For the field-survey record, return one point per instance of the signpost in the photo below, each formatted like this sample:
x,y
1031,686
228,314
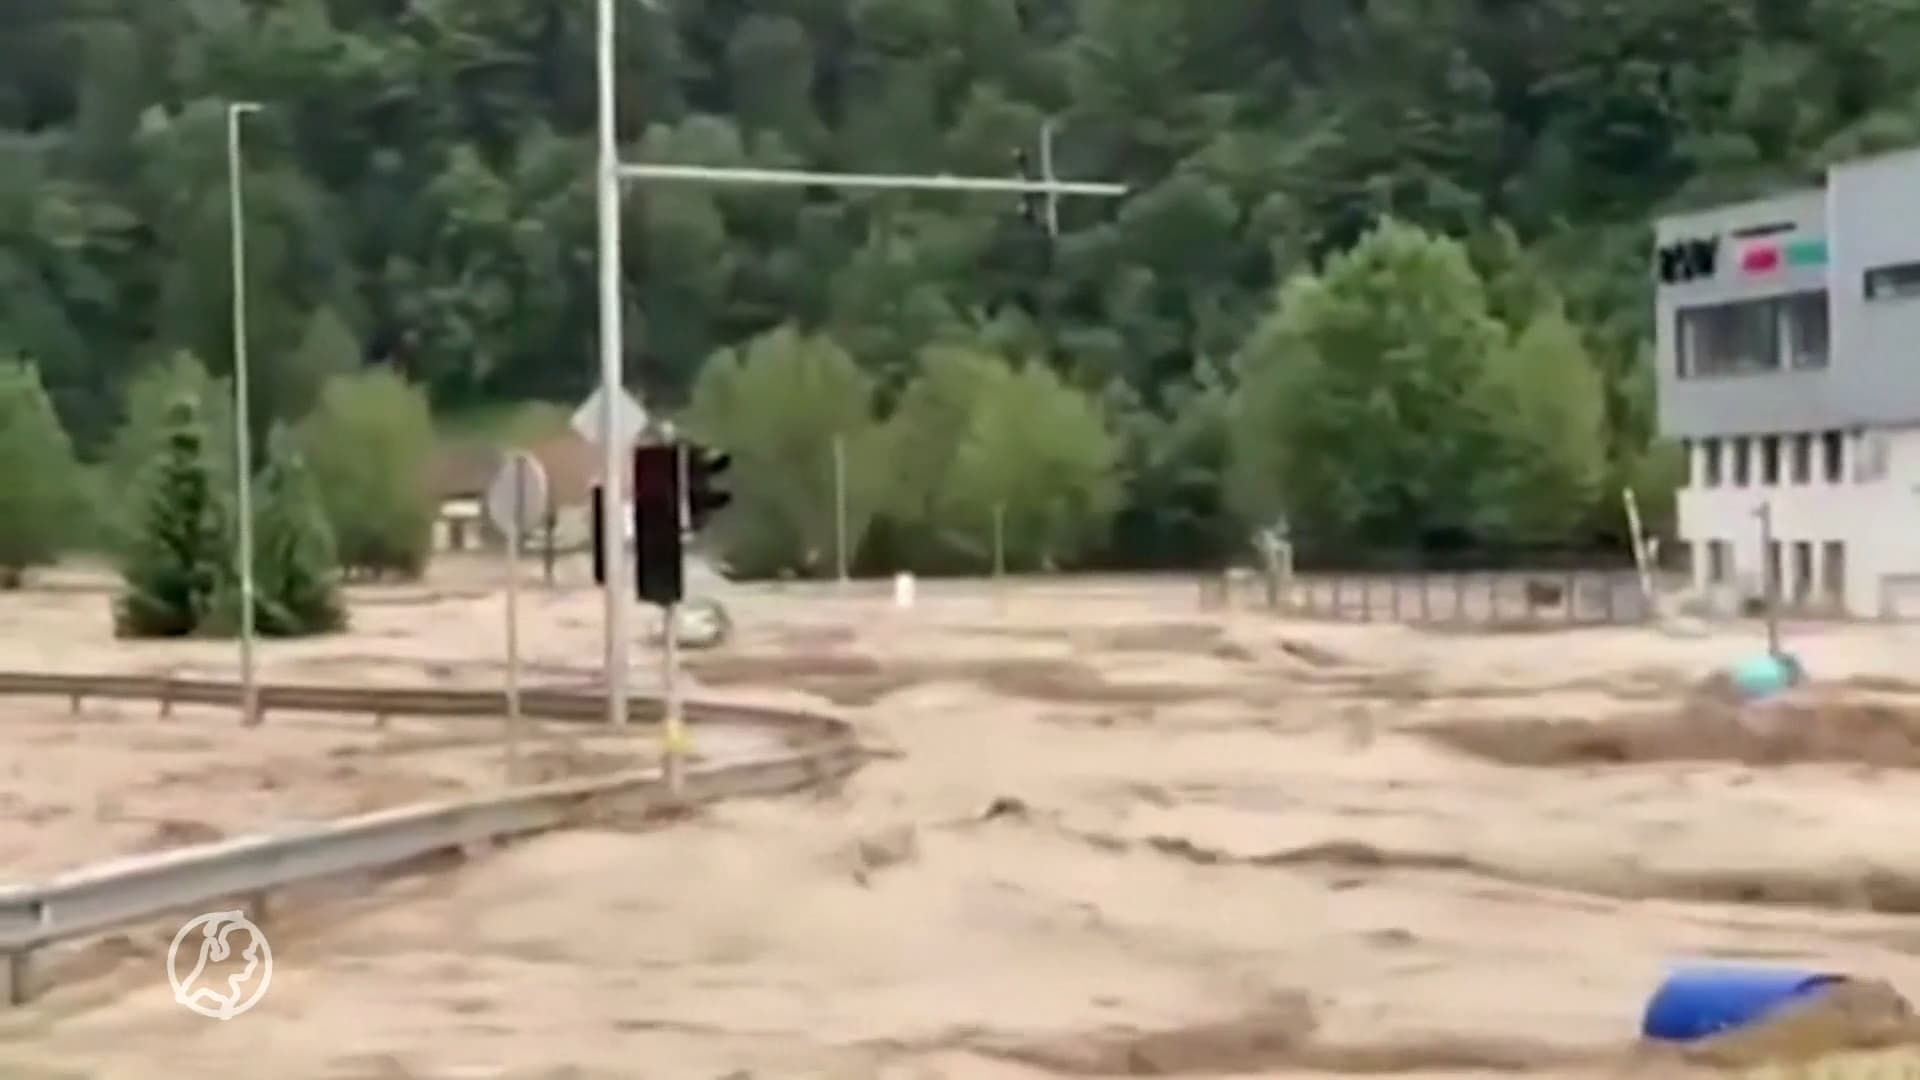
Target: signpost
x,y
516,502
590,419
840,555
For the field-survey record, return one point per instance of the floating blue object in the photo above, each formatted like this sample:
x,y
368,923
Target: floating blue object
x,y
1700,1001
1764,676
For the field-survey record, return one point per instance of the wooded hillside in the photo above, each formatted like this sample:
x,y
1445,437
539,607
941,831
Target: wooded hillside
x,y
419,194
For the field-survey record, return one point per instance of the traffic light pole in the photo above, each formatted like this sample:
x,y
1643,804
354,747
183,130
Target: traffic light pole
x,y
703,174
1046,173
609,174
840,557
673,727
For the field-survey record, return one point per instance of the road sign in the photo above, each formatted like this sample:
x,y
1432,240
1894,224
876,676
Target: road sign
x,y
517,496
517,503
630,419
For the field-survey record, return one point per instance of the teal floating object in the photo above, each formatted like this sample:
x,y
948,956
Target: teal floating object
x,y
1763,676
1698,1002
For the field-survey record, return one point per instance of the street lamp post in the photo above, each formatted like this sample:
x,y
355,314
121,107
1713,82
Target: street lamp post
x,y
242,419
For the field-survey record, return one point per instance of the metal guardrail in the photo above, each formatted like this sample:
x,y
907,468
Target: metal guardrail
x,y
123,891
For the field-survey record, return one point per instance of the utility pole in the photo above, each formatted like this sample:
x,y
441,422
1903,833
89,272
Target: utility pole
x,y
673,730
1765,513
840,555
242,415
614,446
1046,174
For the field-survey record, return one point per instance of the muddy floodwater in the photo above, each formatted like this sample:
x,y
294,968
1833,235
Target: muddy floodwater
x,y
1107,834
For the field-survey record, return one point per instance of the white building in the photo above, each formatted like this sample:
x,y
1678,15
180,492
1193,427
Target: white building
x,y
1789,367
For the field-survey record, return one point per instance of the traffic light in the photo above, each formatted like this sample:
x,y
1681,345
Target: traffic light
x,y
704,468
1029,201
656,523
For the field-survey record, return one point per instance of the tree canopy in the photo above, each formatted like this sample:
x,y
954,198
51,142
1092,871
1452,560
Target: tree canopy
x,y
38,497
418,196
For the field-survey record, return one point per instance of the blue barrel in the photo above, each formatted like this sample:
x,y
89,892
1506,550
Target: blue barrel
x,y
1697,1002
1763,676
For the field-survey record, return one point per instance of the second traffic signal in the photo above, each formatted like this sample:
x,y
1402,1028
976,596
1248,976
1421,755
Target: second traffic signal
x,y
704,496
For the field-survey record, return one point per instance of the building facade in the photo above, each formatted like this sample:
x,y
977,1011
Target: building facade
x,y
1788,334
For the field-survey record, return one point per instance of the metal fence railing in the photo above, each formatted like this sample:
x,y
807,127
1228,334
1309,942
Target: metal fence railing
x,y
812,750
1465,598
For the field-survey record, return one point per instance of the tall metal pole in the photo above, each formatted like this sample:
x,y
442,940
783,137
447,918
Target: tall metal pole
x,y
1000,555
1046,174
242,416
999,540
840,507
673,730
1765,513
613,465
513,622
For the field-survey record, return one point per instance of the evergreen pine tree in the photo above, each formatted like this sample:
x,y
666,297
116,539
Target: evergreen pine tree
x,y
296,565
180,563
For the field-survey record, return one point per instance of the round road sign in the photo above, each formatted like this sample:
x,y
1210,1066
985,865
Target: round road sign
x,y
517,495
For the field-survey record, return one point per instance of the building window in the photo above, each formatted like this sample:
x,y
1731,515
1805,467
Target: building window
x,y
1803,330
1801,587
1893,282
1717,562
1834,451
1770,461
1751,336
1833,573
1727,339
1742,461
1803,459
1710,454
1869,456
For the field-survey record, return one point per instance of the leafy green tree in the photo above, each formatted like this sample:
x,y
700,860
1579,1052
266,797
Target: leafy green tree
x,y
424,176
1175,462
1656,474
148,426
1037,454
369,445
178,568
778,406
925,432
296,567
327,349
1545,405
38,502
771,63
1359,415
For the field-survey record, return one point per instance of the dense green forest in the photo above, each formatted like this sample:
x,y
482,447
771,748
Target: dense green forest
x,y
419,196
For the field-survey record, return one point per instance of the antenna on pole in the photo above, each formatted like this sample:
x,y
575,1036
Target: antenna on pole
x,y
1047,176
